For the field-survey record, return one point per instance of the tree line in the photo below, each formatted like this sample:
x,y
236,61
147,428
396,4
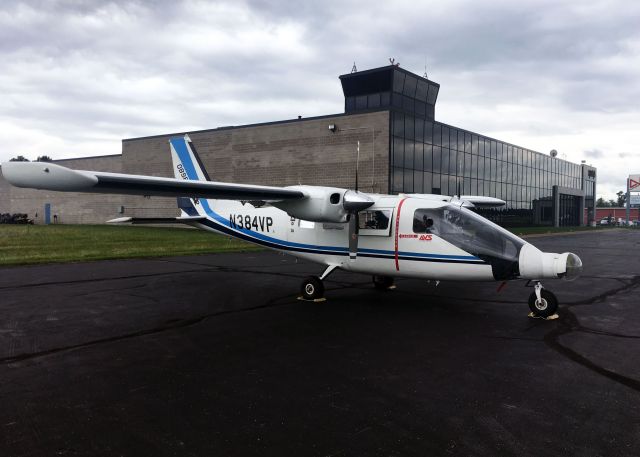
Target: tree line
x,y
24,159
621,201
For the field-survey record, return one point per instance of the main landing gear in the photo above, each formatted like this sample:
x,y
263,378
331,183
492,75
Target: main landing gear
x,y
312,288
383,282
542,303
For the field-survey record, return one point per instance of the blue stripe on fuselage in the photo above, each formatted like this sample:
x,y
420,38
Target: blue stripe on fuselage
x,y
180,146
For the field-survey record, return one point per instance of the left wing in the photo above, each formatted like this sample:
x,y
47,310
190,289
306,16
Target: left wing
x,y
49,176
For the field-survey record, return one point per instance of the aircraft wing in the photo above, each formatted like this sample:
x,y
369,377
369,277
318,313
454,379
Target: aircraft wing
x,y
469,201
480,201
49,176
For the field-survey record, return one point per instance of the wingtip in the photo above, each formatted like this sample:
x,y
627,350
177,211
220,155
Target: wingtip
x,y
46,175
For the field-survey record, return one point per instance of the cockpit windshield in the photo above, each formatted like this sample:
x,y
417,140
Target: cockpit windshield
x,y
474,234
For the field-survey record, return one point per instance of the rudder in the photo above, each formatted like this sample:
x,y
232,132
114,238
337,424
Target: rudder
x,y
186,162
187,165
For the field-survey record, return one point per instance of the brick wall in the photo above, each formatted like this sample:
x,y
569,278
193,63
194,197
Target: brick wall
x,y
280,154
286,153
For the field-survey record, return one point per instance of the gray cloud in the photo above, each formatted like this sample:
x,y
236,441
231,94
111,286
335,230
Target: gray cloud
x,y
79,75
594,154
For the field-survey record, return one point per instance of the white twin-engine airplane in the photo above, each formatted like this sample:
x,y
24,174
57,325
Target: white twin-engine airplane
x,y
417,236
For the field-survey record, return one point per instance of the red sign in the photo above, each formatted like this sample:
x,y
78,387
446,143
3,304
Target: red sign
x,y
633,184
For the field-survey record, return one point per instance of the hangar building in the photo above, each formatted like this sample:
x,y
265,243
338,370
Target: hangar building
x,y
391,113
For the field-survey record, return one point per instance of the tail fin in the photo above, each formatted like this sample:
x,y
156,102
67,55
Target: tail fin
x,y
186,162
187,165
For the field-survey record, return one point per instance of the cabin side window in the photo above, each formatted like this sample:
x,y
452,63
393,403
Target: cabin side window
x,y
374,219
424,221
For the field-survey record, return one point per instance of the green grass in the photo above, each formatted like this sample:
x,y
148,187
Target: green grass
x,y
32,244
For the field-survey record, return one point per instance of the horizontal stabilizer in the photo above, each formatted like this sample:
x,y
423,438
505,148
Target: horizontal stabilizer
x,y
156,220
49,176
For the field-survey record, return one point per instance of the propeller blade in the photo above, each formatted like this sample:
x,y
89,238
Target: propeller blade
x,y
353,236
354,202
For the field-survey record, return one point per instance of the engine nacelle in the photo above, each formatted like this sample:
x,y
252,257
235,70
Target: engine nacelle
x,y
323,204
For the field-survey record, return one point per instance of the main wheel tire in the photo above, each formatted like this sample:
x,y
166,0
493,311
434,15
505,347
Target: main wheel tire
x,y
312,288
382,282
547,306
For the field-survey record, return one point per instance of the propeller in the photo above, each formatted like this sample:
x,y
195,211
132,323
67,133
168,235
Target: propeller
x,y
353,203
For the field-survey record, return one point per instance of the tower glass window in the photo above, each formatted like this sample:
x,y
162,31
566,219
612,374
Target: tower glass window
x,y
432,157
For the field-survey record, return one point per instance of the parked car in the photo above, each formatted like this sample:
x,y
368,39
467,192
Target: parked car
x,y
604,221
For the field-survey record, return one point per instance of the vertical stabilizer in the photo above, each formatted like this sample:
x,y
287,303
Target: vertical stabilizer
x,y
186,163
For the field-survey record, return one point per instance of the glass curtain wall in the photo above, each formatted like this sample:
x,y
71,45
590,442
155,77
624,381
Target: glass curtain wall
x,y
431,157
589,187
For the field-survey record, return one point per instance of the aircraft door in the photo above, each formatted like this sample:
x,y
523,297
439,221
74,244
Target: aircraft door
x,y
421,247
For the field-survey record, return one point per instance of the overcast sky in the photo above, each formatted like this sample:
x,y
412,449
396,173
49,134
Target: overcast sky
x,y
78,76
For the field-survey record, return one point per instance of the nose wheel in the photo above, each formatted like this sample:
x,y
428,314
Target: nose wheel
x,y
542,303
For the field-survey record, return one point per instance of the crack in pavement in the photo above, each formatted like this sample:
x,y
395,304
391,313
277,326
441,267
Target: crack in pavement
x,y
208,269
570,323
173,324
88,280
170,325
603,333
627,285
566,325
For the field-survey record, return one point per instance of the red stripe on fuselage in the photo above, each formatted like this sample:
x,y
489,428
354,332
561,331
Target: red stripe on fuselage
x,y
398,232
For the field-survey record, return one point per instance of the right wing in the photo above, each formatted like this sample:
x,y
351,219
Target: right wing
x,y
481,201
49,176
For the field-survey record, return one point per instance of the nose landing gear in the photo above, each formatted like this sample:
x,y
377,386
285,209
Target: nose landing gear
x,y
542,303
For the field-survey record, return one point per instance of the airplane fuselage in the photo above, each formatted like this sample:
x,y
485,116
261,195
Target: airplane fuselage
x,y
418,236
390,249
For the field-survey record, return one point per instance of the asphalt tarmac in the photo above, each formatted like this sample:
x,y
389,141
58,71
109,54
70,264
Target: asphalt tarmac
x,y
214,356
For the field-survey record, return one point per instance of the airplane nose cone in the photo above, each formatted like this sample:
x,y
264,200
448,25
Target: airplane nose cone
x,y
535,264
573,267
